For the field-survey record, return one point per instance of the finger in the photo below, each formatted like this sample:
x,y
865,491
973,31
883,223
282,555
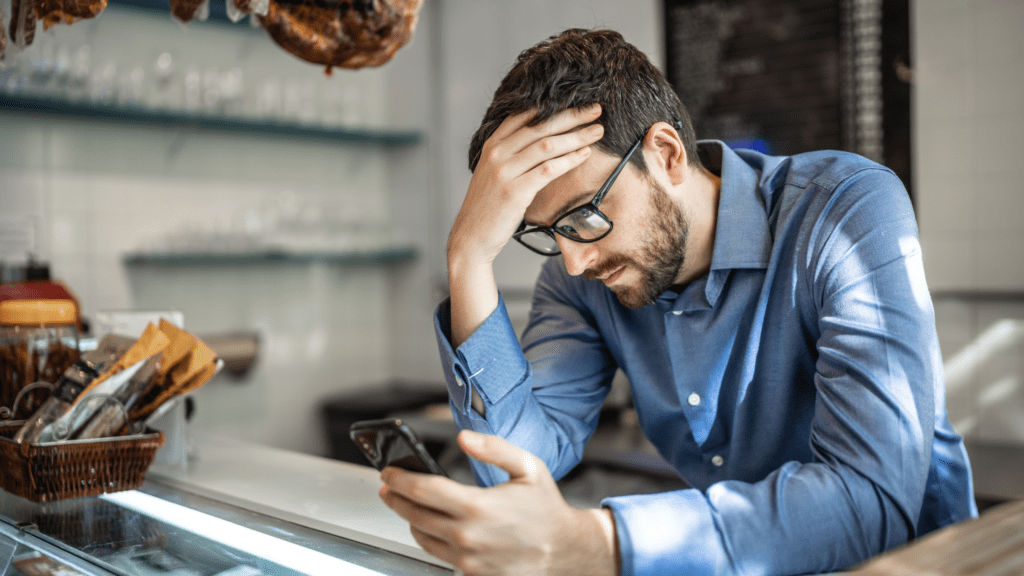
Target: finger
x,y
434,546
437,524
554,146
565,121
520,464
513,122
544,173
428,490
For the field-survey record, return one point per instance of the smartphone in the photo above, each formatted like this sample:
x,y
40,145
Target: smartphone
x,y
391,442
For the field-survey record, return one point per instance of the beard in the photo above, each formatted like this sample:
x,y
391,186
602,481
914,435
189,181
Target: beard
x,y
660,256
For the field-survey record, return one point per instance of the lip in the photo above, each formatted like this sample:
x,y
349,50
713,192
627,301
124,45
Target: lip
x,y
611,278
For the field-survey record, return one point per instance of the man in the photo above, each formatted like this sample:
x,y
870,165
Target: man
x,y
771,315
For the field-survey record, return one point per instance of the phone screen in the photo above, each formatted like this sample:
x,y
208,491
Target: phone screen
x,y
391,443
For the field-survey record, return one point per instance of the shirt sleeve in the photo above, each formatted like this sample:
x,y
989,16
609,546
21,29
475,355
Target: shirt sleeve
x,y
876,374
545,400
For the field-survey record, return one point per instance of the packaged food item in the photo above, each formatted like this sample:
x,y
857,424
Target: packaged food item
x,y
83,407
75,379
188,363
112,414
38,342
118,386
38,565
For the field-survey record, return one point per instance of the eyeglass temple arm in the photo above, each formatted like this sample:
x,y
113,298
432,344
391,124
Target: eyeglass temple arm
x,y
611,179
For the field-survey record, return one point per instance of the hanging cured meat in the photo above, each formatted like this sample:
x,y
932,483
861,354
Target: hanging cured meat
x,y
352,34
238,9
186,10
343,33
23,22
68,11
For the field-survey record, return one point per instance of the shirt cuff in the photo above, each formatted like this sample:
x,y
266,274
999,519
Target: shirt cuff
x,y
670,533
491,359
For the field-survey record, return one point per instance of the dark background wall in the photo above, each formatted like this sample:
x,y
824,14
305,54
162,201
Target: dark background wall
x,y
790,76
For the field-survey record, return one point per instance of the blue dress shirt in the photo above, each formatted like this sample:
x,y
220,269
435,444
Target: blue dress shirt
x,y
797,386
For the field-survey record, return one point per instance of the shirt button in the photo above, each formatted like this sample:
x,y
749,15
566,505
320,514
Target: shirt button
x,y
459,381
717,460
694,399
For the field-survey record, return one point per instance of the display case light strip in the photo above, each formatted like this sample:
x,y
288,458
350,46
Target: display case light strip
x,y
260,545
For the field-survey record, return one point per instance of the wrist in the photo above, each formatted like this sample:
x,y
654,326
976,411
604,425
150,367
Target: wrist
x,y
474,296
603,548
463,257
467,265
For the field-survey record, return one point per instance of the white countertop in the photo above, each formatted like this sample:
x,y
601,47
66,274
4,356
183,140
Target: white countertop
x,y
327,495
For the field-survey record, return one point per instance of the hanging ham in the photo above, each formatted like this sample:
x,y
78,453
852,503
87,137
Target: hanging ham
x,y
23,22
352,34
186,10
67,11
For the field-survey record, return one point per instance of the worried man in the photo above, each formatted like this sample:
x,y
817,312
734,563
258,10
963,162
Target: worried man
x,y
770,313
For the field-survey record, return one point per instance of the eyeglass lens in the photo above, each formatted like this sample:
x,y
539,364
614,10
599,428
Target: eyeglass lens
x,y
541,241
581,224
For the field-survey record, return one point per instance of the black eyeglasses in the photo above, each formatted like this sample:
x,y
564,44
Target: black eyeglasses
x,y
583,224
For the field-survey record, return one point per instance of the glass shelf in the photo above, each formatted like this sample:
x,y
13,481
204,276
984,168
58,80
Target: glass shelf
x,y
148,116
399,255
160,530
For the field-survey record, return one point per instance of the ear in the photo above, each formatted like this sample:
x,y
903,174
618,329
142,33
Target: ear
x,y
664,151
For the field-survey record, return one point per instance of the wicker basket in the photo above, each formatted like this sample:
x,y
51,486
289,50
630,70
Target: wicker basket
x,y
60,470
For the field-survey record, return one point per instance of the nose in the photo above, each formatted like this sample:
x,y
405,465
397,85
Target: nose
x,y
578,256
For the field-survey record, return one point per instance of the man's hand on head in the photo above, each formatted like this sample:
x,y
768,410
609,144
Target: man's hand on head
x,y
523,526
516,163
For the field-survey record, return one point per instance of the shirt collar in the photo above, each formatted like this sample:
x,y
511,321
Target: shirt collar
x,y
742,238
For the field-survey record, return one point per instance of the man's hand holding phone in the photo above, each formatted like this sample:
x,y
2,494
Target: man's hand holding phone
x,y
523,526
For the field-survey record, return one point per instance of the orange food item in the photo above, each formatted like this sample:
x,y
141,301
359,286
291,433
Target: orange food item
x,y
67,11
352,35
185,10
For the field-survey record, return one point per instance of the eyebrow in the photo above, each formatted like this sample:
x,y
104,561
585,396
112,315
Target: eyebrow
x,y
573,202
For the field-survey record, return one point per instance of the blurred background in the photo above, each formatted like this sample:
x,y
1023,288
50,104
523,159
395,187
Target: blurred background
x,y
200,169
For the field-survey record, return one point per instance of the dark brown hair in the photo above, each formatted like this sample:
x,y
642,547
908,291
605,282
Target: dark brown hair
x,y
580,67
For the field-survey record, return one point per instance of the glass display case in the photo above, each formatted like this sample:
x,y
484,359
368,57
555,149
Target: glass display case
x,y
163,530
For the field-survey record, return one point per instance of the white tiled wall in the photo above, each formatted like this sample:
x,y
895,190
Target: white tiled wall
x,y
969,119
983,348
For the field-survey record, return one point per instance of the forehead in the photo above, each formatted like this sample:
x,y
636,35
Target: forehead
x,y
573,188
